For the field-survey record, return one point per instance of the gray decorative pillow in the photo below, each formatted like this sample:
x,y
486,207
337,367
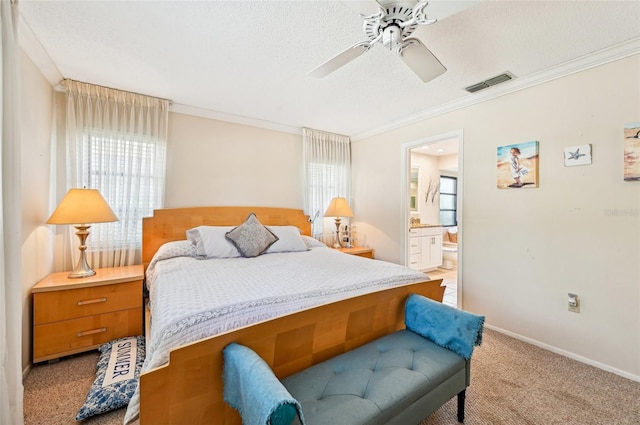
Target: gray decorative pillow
x,y
116,378
251,238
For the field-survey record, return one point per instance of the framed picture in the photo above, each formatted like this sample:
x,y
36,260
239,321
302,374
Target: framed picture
x,y
632,151
577,155
518,166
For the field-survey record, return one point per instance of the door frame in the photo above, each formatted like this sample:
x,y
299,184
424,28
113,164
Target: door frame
x,y
406,172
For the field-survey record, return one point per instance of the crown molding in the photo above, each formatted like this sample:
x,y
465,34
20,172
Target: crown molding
x,y
37,53
232,118
592,60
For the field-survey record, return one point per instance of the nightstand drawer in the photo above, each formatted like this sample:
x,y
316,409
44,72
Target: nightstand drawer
x,y
75,303
66,337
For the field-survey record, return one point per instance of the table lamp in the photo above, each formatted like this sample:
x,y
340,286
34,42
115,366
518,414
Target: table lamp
x,y
339,207
79,207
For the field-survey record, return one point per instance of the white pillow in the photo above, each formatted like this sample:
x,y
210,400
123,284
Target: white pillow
x,y
173,249
289,240
312,242
169,250
210,242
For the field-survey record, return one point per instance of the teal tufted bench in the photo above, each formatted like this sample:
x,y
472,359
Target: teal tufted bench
x,y
400,378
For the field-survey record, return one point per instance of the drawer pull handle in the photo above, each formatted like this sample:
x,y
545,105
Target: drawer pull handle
x,y
93,301
91,332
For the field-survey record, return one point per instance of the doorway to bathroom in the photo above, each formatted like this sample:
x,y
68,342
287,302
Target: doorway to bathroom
x,y
433,210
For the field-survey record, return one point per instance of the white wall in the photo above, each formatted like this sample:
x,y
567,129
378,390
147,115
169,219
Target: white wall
x,y
212,162
448,163
525,249
37,239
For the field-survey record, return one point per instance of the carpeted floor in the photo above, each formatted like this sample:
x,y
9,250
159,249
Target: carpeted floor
x,y
512,383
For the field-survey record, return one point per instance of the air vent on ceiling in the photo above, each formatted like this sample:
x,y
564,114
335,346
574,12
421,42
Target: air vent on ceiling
x,y
506,76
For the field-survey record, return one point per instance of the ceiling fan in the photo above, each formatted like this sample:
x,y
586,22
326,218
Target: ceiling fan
x,y
391,26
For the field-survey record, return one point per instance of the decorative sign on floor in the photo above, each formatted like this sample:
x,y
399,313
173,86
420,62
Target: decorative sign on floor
x,y
122,362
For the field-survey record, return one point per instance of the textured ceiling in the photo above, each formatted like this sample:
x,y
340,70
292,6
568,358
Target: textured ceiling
x,y
248,60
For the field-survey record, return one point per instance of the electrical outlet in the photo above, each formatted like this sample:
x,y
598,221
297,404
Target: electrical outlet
x,y
574,303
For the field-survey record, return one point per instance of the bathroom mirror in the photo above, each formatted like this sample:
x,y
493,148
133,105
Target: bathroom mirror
x,y
413,189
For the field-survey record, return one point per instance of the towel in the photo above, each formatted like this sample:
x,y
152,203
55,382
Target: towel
x,y
451,328
250,387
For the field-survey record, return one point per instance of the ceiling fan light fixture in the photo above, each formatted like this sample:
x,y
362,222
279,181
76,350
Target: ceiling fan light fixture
x,y
392,26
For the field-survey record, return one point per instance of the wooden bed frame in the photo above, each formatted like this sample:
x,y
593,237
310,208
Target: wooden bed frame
x,y
188,389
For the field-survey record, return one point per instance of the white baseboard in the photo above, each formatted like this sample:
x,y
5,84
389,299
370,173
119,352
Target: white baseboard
x,y
568,354
26,371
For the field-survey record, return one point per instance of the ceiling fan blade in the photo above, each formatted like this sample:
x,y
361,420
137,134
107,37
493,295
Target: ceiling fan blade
x,y
421,60
340,60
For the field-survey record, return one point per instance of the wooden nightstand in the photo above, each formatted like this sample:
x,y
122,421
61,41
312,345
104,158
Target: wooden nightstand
x,y
359,251
75,315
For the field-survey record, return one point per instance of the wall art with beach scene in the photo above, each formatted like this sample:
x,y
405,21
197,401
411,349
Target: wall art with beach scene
x,y
518,166
632,151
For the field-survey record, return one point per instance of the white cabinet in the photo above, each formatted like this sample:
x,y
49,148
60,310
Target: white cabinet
x,y
431,248
425,248
415,248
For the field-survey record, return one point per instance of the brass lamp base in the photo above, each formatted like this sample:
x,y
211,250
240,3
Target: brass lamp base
x,y
82,268
337,244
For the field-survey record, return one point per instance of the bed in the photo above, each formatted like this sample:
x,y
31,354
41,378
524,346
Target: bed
x,y
294,308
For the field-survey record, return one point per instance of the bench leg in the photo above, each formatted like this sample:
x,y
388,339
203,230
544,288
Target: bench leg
x,y
461,396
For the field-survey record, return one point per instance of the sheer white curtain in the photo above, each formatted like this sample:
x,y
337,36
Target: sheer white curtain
x,y
116,143
327,174
11,389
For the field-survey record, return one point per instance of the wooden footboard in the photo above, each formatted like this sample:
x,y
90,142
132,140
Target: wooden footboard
x,y
188,390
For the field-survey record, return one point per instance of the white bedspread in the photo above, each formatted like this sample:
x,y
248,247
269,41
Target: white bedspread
x,y
192,299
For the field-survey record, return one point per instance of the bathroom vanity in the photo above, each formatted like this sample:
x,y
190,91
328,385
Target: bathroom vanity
x,y
425,246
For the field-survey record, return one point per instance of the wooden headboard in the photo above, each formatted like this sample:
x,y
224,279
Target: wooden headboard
x,y
171,224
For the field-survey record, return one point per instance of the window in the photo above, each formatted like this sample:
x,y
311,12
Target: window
x,y
115,142
123,170
448,200
323,184
327,174
325,181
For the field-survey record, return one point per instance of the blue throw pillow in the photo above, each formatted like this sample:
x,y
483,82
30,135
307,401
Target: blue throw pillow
x,y
116,378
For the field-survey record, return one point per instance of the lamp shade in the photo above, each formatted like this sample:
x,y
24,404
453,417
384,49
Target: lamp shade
x,y
82,206
339,207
